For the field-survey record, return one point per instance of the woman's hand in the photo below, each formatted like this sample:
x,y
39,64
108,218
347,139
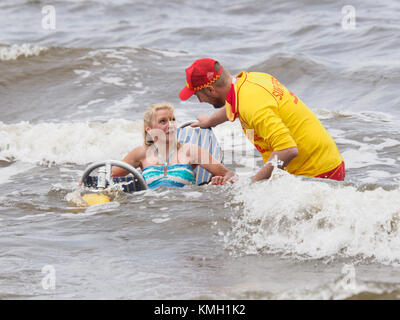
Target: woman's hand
x,y
218,180
230,176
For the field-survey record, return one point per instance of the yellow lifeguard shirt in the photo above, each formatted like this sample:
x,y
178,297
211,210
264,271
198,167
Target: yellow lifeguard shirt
x,y
273,119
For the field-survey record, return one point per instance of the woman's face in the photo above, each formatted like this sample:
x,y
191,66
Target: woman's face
x,y
164,126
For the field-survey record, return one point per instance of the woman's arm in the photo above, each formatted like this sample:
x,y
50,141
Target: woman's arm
x,y
134,158
202,157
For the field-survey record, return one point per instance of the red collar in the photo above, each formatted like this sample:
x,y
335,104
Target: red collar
x,y
231,100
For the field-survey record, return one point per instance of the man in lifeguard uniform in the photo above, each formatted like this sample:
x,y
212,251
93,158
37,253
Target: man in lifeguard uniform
x,y
276,121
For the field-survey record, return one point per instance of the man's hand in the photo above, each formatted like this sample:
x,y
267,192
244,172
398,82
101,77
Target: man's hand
x,y
285,156
203,121
206,121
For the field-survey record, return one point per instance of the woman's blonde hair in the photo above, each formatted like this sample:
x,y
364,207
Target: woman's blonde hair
x,y
148,118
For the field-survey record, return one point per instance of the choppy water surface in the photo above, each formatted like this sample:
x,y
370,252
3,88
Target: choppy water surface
x,y
76,94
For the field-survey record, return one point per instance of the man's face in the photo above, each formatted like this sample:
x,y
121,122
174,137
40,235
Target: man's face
x,y
211,96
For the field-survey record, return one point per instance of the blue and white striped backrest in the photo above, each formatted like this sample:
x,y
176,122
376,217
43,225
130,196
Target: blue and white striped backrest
x,y
206,139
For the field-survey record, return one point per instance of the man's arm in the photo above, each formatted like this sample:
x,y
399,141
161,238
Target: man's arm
x,y
206,121
285,156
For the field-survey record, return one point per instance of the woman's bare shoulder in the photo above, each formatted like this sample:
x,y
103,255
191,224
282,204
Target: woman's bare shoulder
x,y
142,148
137,153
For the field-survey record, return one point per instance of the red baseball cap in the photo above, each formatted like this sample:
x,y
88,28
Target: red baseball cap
x,y
199,75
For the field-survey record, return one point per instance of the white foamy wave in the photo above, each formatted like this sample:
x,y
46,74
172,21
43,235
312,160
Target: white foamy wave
x,y
16,168
160,220
364,156
59,143
312,219
341,289
365,116
168,53
118,81
15,51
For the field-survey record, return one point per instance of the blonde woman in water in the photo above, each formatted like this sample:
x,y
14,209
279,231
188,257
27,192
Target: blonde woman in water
x,y
166,162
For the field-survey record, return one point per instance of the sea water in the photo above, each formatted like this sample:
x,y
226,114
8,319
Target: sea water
x,y
75,92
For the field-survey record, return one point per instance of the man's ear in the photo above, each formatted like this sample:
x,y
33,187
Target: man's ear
x,y
210,90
